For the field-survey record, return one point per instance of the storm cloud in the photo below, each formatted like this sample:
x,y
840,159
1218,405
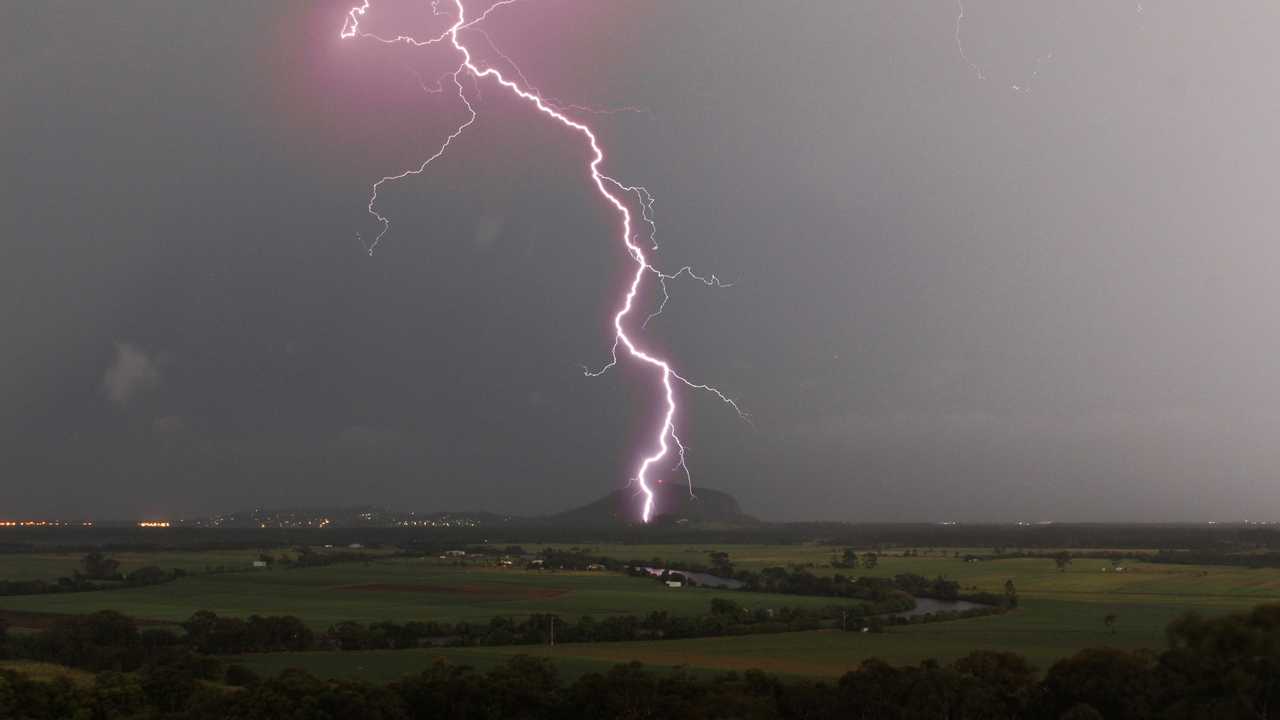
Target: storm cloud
x,y
1043,290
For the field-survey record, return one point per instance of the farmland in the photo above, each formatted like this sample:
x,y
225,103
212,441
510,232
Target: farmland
x,y
398,590
1084,580
53,565
1061,611
1042,630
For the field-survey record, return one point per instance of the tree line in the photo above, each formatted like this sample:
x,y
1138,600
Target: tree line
x,y
866,535
1224,668
100,571
208,633
110,641
97,572
881,594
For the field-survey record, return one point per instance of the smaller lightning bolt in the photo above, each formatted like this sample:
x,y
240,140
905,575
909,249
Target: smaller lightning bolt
x,y
1021,89
960,43
373,197
560,105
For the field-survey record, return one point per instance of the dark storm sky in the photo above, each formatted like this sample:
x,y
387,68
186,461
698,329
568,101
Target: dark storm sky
x,y
952,300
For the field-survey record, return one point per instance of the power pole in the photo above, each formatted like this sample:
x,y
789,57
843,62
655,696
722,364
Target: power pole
x,y
844,620
553,631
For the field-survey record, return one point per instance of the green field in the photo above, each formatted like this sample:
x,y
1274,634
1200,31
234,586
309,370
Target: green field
x,y
399,590
53,565
1141,582
1042,630
1061,612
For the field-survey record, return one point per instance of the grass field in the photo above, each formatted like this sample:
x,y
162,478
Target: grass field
x,y
1043,630
399,590
1061,611
1192,585
52,565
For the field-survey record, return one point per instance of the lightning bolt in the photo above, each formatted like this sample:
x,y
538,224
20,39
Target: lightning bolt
x,y
1022,89
977,71
665,439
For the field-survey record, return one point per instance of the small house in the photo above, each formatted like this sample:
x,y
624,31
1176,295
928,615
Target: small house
x,y
595,566
259,563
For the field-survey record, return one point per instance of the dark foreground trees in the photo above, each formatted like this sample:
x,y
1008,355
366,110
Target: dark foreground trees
x,y
1221,669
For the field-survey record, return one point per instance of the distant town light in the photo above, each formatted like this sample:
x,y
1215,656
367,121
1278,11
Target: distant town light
x,y
42,523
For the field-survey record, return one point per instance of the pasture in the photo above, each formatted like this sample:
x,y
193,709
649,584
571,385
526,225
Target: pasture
x,y
1085,579
53,565
1060,613
400,590
1041,630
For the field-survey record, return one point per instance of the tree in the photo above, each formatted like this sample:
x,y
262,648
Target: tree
x,y
149,575
240,676
1082,711
1226,662
169,687
119,695
99,566
849,558
1062,560
1008,677
722,606
870,560
1116,683
1110,622
1010,593
720,564
105,640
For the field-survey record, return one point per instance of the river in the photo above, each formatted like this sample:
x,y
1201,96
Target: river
x,y
923,606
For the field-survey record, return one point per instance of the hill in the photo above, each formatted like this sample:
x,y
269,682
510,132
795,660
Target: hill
x,y
672,503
